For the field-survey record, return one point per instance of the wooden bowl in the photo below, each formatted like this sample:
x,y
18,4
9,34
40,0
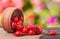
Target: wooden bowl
x,y
8,15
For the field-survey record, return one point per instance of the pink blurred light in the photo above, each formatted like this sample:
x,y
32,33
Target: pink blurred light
x,y
1,8
39,8
7,4
51,20
18,3
58,3
4,1
42,6
35,2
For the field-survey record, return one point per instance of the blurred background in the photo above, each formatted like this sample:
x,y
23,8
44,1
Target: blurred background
x,y
42,12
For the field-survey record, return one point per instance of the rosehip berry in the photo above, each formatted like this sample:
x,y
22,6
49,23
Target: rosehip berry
x,y
52,32
13,25
21,18
15,18
31,32
20,27
31,27
19,22
18,33
25,30
38,29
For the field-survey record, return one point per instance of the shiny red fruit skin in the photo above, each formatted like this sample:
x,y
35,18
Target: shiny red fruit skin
x,y
52,32
25,30
38,29
31,27
16,19
13,25
18,33
21,18
20,27
19,22
31,32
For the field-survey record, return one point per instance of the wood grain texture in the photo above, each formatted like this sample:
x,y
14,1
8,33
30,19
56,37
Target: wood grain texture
x,y
5,35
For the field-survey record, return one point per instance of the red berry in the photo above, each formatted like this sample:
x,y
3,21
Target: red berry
x,y
38,29
15,18
31,32
19,22
20,27
18,33
13,25
31,27
52,32
25,30
21,18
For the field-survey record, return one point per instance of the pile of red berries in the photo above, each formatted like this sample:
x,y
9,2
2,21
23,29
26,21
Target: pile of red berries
x,y
27,29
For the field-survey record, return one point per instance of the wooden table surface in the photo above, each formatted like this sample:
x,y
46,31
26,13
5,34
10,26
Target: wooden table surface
x,y
5,35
